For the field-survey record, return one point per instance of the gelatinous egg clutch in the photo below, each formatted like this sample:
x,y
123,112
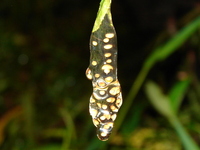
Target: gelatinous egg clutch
x,y
106,98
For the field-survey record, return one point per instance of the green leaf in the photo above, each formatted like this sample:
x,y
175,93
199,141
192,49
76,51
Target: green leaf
x,y
164,51
163,106
104,9
177,93
160,101
186,139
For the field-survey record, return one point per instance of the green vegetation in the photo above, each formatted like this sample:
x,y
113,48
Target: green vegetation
x,y
44,93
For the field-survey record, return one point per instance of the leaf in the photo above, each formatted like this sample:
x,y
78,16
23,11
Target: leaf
x,y
164,51
158,99
188,142
104,9
163,106
177,93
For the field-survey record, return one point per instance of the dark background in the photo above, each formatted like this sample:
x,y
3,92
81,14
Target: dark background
x,y
44,52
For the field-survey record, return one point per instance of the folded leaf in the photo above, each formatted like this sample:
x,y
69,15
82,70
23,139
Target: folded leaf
x,y
158,99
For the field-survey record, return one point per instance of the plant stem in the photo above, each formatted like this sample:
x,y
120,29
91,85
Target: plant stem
x,y
187,141
70,132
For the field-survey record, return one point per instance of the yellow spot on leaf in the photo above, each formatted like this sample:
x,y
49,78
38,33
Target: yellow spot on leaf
x,y
109,35
97,75
114,90
104,106
101,83
109,79
107,68
94,43
107,54
113,108
102,92
106,127
94,63
109,61
108,46
118,102
106,40
110,99
102,117
103,134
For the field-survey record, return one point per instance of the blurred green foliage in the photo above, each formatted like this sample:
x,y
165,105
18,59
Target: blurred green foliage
x,y
44,93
